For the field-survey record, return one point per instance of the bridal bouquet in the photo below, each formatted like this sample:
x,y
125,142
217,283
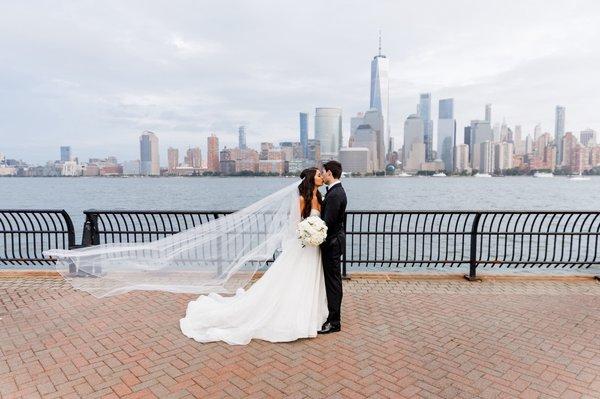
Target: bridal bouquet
x,y
312,231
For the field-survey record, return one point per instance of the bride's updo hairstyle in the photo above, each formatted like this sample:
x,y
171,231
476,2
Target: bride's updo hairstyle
x,y
306,188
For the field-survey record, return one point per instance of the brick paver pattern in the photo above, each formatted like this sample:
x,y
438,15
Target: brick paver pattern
x,y
424,338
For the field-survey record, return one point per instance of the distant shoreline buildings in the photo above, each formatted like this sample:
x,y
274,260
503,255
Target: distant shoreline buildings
x,y
480,147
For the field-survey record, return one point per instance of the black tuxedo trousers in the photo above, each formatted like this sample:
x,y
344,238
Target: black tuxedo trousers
x,y
334,214
331,254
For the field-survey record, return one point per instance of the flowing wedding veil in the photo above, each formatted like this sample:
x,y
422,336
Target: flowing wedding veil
x,y
218,256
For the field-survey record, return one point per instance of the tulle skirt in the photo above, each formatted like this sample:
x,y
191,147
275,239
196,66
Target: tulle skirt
x,y
287,303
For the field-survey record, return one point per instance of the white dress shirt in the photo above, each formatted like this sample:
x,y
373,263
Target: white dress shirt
x,y
332,184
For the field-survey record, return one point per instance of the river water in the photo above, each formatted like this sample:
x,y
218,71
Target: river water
x,y
230,193
385,193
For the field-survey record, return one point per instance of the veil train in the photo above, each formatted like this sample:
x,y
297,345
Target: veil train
x,y
219,256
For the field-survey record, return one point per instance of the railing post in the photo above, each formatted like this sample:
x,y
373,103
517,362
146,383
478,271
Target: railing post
x,y
344,271
90,237
90,230
219,251
70,238
70,229
597,277
472,276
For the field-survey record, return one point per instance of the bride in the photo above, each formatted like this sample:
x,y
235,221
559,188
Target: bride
x,y
287,303
221,256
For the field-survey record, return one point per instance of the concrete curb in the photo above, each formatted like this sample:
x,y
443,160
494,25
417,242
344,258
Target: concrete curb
x,y
8,274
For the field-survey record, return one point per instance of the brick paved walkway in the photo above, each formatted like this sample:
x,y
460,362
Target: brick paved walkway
x,y
400,339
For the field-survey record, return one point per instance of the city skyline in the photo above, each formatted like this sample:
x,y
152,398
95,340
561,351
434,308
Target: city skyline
x,y
176,72
496,150
489,149
445,127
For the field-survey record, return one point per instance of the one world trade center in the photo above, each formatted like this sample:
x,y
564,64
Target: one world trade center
x,y
380,93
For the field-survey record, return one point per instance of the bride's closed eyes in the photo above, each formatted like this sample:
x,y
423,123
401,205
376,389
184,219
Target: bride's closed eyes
x,y
318,179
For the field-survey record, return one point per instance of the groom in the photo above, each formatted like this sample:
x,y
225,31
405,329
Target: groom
x,y
333,212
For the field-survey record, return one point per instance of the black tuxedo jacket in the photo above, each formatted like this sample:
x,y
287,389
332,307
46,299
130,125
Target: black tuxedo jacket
x,y
333,212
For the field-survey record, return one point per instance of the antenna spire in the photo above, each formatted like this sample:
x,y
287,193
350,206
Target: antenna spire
x,y
380,42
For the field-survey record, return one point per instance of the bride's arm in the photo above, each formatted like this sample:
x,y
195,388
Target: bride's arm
x,y
301,205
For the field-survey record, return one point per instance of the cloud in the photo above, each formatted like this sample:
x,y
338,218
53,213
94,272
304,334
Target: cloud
x,y
95,77
193,48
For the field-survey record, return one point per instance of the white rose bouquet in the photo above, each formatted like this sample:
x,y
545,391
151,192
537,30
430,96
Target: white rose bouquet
x,y
312,231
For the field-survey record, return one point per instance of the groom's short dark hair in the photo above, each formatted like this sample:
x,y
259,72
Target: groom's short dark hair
x,y
334,167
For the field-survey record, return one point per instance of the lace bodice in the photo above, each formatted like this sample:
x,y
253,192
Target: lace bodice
x,y
315,212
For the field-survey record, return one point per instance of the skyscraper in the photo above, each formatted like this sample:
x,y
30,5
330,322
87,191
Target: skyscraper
x,y
149,159
304,133
226,162
503,156
193,158
480,132
559,132
488,113
380,93
537,131
519,146
518,133
587,137
373,120
486,157
172,158
365,137
314,150
425,115
569,147
467,135
414,147
356,160
328,130
446,108
496,131
265,148
212,154
528,144
446,133
242,137
65,153
505,133
356,121
461,158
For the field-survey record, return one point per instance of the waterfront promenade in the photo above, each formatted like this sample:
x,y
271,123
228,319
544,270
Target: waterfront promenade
x,y
429,338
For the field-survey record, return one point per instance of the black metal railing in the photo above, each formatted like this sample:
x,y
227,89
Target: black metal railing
x,y
551,239
25,234
108,226
407,239
375,239
119,226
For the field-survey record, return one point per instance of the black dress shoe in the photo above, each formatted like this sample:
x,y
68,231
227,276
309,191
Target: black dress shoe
x,y
329,328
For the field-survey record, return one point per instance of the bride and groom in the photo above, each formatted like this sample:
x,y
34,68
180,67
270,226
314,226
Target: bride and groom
x,y
300,295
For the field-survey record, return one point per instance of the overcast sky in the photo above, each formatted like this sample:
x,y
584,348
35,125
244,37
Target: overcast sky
x,y
94,75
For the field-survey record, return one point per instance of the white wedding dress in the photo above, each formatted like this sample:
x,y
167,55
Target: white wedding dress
x,y
287,303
